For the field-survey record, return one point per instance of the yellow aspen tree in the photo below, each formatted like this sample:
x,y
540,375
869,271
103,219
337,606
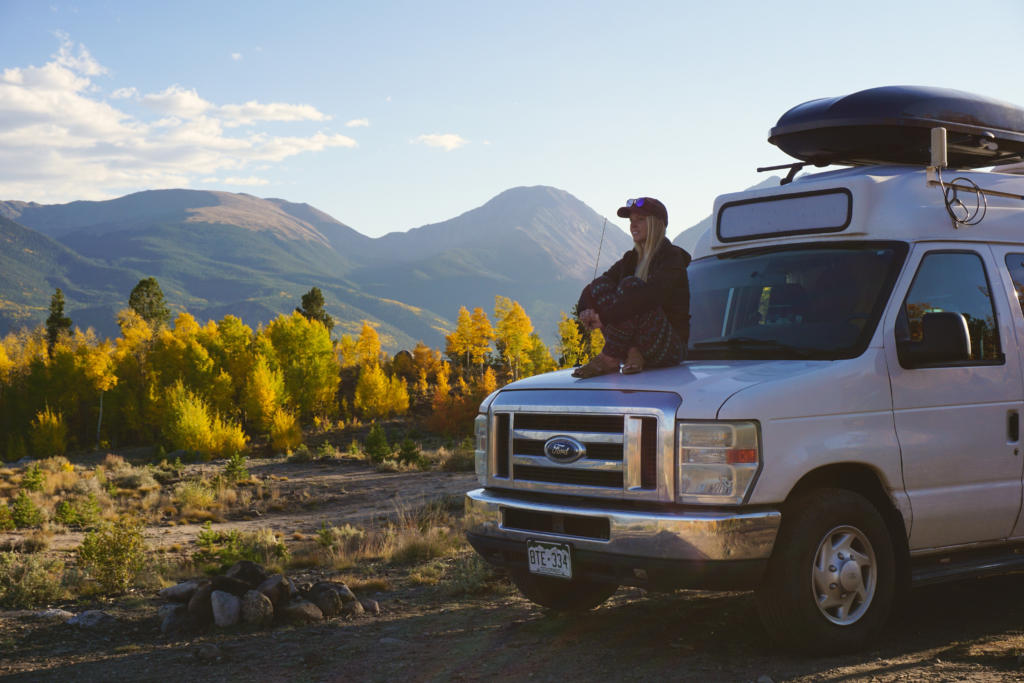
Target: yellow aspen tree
x,y
482,334
426,360
570,342
397,401
345,350
371,392
513,329
538,358
458,343
368,346
305,357
264,394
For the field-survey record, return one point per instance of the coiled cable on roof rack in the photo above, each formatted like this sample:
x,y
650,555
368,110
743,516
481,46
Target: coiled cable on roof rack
x,y
959,212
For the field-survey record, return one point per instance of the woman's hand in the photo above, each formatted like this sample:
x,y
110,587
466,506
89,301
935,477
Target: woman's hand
x,y
590,319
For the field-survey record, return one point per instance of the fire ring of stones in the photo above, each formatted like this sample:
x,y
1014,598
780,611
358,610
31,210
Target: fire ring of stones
x,y
248,595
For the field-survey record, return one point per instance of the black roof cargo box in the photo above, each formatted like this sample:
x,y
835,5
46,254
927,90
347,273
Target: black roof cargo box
x,y
892,124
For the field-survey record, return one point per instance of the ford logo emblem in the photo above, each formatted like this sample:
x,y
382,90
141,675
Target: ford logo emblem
x,y
564,449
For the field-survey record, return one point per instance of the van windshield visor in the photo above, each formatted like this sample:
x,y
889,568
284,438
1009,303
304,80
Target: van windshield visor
x,y
793,302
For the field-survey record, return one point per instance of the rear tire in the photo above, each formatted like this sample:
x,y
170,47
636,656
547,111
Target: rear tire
x,y
562,595
831,579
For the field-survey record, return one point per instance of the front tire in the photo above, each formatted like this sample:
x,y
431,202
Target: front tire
x,y
563,595
831,578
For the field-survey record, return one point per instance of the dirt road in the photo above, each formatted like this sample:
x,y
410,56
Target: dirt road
x,y
967,631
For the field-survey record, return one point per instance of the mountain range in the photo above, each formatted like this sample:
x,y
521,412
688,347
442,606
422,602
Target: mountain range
x,y
219,253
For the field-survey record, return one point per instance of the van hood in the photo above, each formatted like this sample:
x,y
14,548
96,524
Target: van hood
x,y
703,386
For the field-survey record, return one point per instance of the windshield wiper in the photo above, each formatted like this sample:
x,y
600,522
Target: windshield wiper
x,y
755,344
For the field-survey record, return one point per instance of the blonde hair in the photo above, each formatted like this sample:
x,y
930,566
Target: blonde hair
x,y
645,251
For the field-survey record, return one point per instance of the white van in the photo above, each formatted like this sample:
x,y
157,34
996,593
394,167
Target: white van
x,y
847,422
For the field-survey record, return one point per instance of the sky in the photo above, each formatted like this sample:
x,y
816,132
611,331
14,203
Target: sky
x,y
390,115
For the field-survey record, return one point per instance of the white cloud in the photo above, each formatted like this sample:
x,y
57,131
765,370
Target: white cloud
x,y
447,141
358,123
177,101
237,56
251,180
61,141
252,111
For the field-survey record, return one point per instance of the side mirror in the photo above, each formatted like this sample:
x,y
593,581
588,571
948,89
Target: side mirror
x,y
944,339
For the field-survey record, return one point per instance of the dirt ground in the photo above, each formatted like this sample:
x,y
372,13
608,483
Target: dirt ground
x,y
970,630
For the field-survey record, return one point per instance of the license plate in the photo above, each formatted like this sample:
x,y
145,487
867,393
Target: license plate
x,y
550,559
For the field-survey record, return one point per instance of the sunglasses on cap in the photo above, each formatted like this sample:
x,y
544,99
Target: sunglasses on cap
x,y
630,203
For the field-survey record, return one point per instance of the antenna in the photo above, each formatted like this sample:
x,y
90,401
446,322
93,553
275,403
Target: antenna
x,y
599,245
958,211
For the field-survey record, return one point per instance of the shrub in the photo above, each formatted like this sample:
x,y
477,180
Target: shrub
x,y
195,493
6,517
24,512
228,438
339,540
48,434
285,433
28,581
326,451
114,555
33,478
470,574
235,469
376,444
82,512
187,421
224,548
409,453
301,454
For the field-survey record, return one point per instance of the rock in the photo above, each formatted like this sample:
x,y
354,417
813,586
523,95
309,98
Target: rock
x,y
301,612
182,592
247,572
199,606
371,606
257,609
176,622
343,591
54,615
226,608
278,589
328,601
229,585
352,609
92,618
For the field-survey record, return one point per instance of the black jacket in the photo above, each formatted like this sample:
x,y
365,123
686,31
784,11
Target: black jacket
x,y
667,286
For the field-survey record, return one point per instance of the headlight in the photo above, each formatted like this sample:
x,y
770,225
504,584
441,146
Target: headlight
x,y
717,461
480,431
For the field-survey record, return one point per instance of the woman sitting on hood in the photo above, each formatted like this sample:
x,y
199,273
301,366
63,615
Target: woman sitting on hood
x,y
642,303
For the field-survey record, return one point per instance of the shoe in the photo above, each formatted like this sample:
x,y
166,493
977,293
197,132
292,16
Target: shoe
x,y
598,365
634,362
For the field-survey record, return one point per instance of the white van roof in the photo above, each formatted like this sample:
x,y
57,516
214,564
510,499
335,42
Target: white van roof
x,y
863,203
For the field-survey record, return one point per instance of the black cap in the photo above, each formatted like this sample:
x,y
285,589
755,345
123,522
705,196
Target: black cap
x,y
645,205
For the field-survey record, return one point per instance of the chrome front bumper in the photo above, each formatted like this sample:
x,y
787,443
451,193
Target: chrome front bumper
x,y
688,537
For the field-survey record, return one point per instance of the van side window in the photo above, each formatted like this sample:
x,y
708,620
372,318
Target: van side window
x,y
956,282
1015,264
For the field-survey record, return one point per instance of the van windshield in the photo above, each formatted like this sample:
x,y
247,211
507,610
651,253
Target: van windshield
x,y
795,302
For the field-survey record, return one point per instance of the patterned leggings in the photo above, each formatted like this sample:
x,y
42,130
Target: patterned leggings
x,y
650,332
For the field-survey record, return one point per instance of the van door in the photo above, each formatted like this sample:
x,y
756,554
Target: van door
x,y
1012,257
962,476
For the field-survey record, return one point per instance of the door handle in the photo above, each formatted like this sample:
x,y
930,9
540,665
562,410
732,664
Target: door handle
x,y
1013,426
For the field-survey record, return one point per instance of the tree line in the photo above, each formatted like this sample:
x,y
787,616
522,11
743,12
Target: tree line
x,y
212,389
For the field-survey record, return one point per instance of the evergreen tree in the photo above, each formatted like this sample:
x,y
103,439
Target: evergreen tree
x,y
57,322
147,299
313,308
